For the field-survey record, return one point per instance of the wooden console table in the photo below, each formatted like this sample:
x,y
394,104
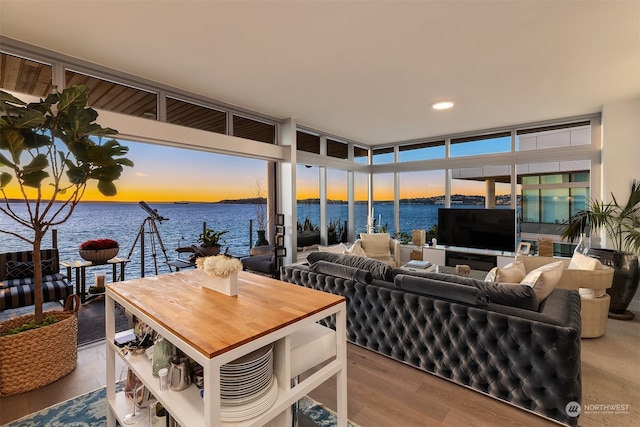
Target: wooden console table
x,y
214,329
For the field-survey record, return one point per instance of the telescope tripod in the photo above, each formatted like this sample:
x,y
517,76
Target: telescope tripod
x,y
154,238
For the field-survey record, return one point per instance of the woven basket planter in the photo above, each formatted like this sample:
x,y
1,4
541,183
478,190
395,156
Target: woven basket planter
x,y
98,256
32,359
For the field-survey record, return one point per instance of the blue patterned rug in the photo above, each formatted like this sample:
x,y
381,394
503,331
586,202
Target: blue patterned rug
x,y
90,410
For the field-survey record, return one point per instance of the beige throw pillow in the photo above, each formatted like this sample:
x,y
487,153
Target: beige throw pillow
x,y
376,246
544,279
511,273
583,262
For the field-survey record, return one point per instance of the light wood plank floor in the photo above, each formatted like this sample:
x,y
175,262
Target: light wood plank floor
x,y
383,392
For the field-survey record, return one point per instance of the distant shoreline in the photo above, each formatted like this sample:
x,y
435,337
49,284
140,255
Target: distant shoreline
x,y
436,200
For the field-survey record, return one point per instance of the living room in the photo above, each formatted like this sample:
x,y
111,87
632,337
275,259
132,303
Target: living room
x,y
601,47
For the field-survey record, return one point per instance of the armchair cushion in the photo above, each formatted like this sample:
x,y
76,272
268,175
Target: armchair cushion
x,y
57,277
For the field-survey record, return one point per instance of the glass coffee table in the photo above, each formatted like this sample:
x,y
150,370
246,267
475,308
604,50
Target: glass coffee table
x,y
444,269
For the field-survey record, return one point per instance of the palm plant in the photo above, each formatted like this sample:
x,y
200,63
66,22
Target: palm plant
x,y
620,222
47,147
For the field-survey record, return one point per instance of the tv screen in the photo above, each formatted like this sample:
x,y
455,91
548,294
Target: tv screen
x,y
478,228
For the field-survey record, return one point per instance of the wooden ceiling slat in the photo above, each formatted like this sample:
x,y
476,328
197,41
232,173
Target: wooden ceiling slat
x,y
32,77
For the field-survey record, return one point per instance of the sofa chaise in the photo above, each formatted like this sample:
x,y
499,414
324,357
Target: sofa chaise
x,y
494,338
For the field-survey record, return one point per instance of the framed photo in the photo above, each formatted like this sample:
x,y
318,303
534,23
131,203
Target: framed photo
x,y
524,248
279,240
279,219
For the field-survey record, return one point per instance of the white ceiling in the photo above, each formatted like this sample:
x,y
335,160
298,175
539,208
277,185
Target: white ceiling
x,y
364,70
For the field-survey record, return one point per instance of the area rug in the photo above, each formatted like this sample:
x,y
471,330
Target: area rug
x,y
90,319
91,410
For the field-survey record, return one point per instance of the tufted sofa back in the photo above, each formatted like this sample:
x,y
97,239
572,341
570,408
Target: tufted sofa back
x,y
527,358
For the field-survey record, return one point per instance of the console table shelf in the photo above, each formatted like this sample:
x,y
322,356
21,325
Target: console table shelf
x,y
214,329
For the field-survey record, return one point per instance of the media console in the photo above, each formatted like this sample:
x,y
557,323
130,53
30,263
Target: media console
x,y
477,259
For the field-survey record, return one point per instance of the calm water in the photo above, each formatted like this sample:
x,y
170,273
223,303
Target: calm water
x,y
122,222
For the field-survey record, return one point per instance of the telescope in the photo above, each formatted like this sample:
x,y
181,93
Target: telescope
x,y
153,213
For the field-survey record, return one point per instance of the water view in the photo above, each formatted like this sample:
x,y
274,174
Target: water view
x,y
183,224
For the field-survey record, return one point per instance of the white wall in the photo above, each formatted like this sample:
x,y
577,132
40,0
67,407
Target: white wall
x,y
621,153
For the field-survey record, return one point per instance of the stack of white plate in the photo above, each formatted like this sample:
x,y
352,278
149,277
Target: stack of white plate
x,y
247,386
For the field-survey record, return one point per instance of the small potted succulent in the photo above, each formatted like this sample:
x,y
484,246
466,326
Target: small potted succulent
x,y
99,251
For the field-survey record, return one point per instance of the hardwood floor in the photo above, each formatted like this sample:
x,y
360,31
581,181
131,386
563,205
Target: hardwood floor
x,y
384,393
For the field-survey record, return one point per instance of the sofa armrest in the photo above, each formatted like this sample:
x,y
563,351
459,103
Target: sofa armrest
x,y
394,247
590,279
572,278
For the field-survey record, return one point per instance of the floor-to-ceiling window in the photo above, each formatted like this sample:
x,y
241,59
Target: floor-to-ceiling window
x,y
308,205
337,206
361,197
383,196
420,196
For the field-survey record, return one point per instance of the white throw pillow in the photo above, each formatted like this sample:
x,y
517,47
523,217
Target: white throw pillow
x,y
340,248
583,262
491,275
544,279
511,273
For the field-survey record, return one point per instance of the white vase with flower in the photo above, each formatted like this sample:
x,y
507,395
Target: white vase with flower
x,y
220,273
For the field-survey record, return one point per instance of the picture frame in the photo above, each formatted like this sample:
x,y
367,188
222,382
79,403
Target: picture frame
x,y
279,219
523,248
279,240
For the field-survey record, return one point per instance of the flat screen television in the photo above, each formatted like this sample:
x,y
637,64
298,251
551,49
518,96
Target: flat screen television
x,y
493,229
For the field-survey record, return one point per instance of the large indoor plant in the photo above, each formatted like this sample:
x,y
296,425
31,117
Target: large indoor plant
x,y
49,151
621,223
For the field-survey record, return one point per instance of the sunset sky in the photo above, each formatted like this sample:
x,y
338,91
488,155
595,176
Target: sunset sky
x,y
167,174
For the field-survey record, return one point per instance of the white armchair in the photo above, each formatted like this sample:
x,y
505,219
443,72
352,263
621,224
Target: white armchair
x,y
592,283
379,246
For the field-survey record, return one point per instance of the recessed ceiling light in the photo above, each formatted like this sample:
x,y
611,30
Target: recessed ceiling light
x,y
442,105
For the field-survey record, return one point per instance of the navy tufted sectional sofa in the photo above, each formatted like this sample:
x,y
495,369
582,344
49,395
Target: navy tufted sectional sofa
x,y
493,338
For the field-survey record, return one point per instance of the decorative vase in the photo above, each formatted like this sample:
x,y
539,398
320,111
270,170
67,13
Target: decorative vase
x,y
262,240
626,277
98,256
210,250
227,285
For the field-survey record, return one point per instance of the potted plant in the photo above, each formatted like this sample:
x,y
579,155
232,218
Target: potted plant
x,y
621,223
99,251
210,241
48,156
